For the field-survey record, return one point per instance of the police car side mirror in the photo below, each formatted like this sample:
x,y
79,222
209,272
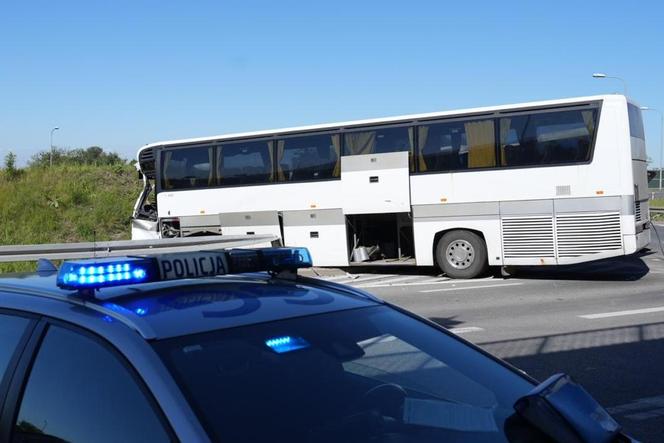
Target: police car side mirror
x,y
564,411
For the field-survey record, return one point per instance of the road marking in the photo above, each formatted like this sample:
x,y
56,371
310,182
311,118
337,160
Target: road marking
x,y
428,282
466,329
390,282
471,287
337,277
373,277
621,313
641,408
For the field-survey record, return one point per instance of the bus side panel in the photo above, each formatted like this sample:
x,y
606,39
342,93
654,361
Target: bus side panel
x,y
375,183
323,232
250,223
265,197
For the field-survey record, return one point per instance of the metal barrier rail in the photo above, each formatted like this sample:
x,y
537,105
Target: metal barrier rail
x,y
131,247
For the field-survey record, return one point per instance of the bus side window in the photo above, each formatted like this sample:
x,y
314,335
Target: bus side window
x,y
378,141
245,163
187,168
457,145
311,157
547,137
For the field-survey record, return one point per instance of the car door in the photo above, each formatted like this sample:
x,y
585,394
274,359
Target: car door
x,y
70,385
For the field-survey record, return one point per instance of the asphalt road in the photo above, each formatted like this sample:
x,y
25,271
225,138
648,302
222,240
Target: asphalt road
x,y
601,322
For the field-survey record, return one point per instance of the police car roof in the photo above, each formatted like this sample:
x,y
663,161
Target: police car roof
x,y
180,307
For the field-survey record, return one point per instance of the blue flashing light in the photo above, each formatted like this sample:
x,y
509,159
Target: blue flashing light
x,y
94,274
268,259
140,311
102,273
286,343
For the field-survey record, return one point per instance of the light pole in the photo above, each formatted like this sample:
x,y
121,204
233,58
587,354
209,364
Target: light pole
x,y
661,140
50,157
602,75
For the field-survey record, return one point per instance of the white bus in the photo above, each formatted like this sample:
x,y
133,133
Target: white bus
x,y
543,183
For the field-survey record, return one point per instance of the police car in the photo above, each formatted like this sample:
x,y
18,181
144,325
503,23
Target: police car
x,y
234,346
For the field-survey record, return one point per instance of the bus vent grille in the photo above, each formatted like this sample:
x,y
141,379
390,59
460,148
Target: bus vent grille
x,y
526,237
639,209
587,234
146,161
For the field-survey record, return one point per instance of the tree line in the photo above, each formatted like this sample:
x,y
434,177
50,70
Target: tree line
x,y
94,156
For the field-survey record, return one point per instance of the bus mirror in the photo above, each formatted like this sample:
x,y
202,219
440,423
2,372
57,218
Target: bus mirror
x,y
140,175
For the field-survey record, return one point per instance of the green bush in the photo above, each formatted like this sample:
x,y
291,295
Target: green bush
x,y
69,202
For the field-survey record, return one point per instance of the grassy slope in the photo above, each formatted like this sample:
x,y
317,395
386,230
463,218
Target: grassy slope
x,y
66,204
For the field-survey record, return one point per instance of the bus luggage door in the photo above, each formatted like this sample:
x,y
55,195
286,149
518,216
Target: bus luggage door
x,y
323,231
375,183
250,223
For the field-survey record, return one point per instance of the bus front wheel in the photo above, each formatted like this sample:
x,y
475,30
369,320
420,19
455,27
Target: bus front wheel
x,y
461,254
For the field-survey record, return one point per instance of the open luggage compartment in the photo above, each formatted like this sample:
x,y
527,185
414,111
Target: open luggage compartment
x,y
384,238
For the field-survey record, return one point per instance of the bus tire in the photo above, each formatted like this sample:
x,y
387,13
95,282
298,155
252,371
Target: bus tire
x,y
461,254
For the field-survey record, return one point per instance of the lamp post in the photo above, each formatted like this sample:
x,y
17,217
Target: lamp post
x,y
661,140
50,157
602,75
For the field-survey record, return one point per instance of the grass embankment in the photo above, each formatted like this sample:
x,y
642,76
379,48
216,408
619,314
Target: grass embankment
x,y
66,203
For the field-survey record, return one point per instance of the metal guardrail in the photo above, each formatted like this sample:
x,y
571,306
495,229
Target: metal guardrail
x,y
131,247
657,210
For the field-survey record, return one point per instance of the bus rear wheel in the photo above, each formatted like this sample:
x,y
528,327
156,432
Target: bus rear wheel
x,y
461,254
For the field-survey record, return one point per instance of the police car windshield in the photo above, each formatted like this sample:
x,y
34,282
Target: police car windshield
x,y
356,375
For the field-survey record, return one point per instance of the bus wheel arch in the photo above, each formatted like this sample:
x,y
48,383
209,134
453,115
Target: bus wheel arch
x,y
461,252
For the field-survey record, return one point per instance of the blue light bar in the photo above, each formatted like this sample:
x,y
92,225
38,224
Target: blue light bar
x,y
94,274
106,272
286,343
268,259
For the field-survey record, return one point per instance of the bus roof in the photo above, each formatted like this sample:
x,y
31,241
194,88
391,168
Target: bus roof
x,y
384,120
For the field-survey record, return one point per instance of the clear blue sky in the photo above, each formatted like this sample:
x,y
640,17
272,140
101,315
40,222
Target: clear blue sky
x,y
122,74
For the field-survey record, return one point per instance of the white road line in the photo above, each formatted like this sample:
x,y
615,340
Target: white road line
x,y
472,287
621,313
336,277
641,408
465,329
391,281
373,277
430,282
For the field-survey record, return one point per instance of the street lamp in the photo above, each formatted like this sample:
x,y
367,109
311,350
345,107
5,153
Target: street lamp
x,y
661,140
50,157
602,75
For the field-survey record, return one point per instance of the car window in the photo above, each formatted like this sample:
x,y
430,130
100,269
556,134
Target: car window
x,y
369,374
11,331
79,391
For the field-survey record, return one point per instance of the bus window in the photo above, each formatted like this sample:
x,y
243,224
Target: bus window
x,y
547,138
379,141
245,163
186,168
635,122
312,157
454,146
